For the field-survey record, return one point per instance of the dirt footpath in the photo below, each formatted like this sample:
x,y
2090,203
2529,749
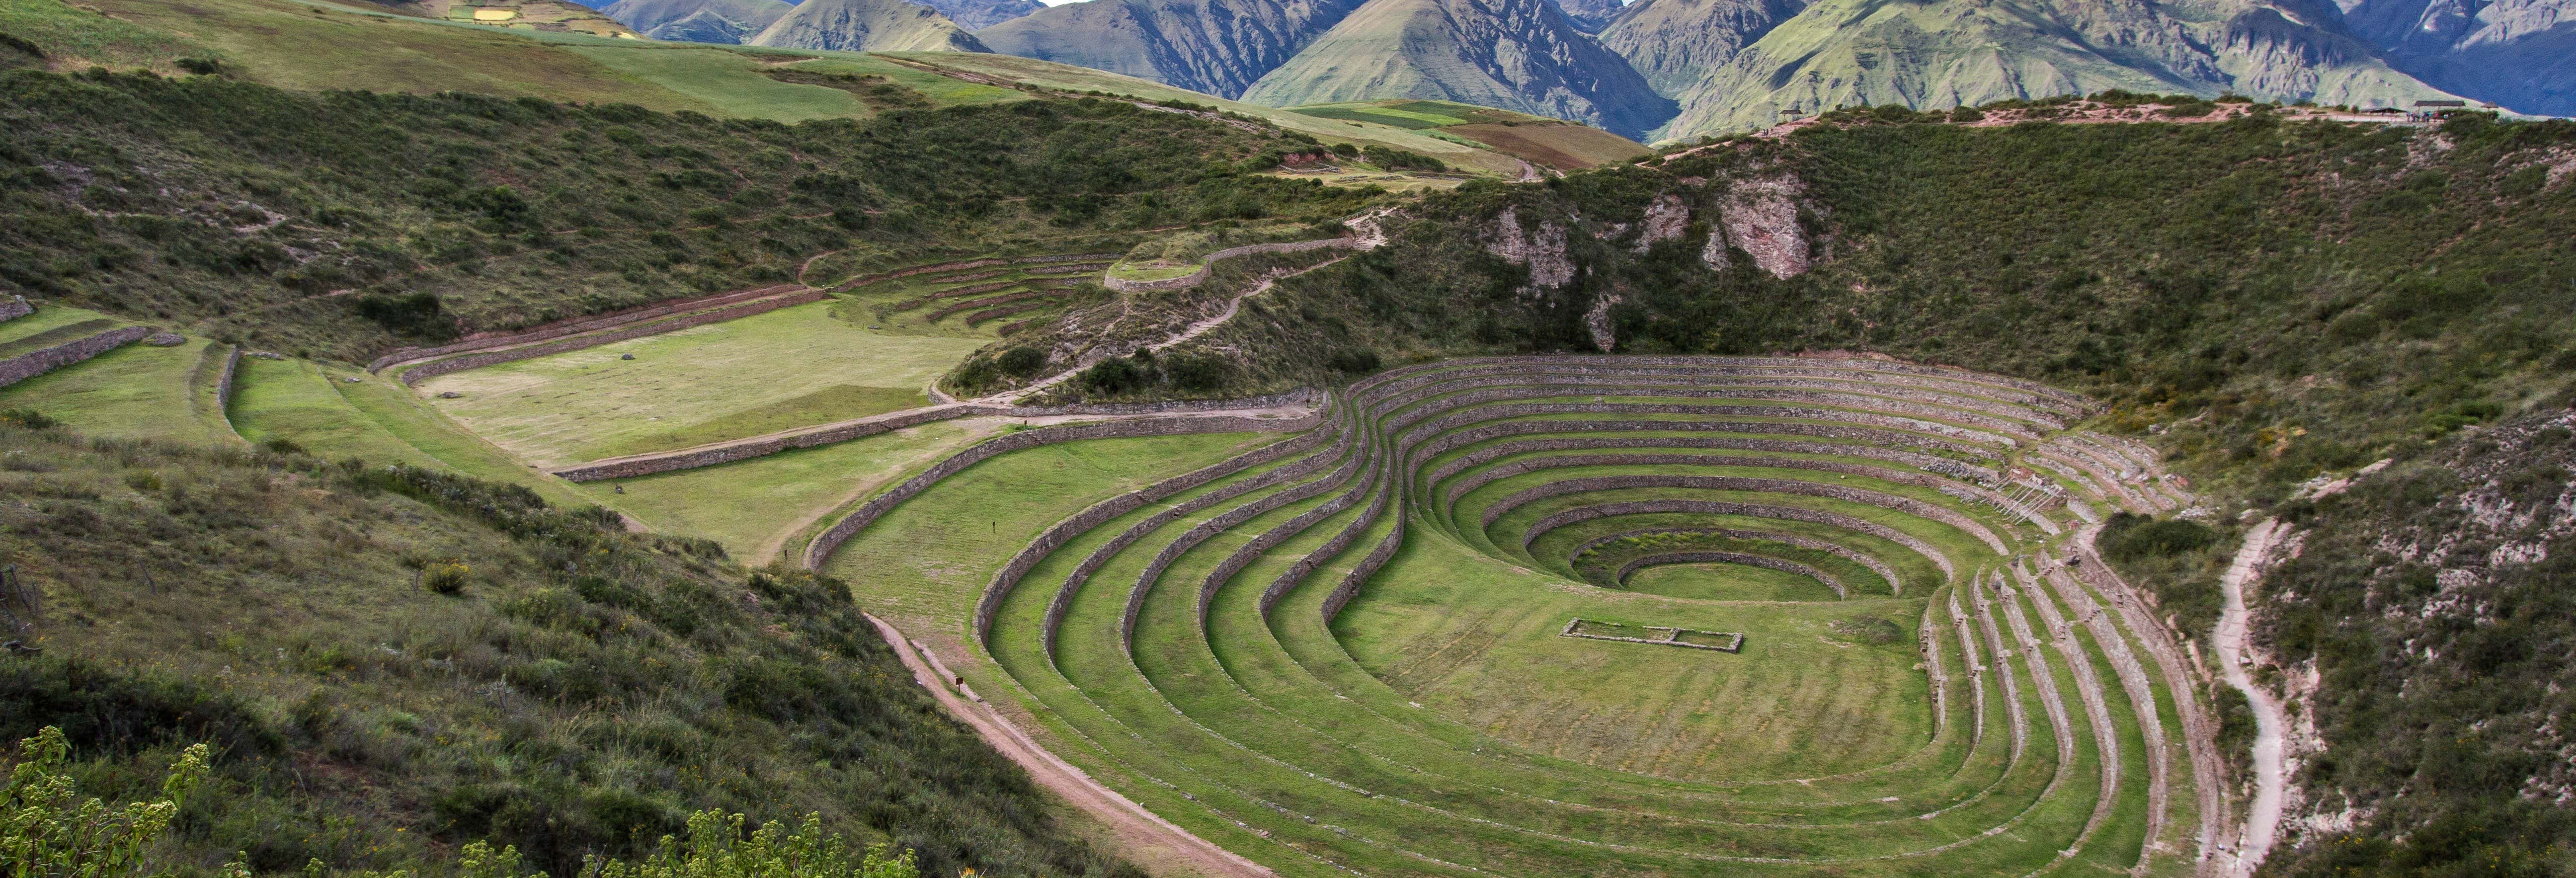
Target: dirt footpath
x,y
1139,831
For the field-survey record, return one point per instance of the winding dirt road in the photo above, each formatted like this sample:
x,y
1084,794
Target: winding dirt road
x,y
1137,828
2263,815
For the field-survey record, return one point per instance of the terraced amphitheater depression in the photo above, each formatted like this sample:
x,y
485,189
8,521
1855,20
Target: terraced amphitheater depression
x,y
1598,615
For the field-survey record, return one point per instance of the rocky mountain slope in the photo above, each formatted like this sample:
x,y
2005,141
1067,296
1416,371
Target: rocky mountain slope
x,y
698,21
2519,53
1220,47
1523,55
1935,56
866,26
980,14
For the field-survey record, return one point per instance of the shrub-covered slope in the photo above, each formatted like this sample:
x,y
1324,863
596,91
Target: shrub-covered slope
x,y
284,219
392,662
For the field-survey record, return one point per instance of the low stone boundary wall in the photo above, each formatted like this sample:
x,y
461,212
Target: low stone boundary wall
x,y
1306,566
2070,398
15,308
1251,551
1498,399
876,507
1303,397
1672,636
1722,368
1581,514
41,361
1500,450
1369,566
1943,465
435,368
1837,424
575,325
1200,275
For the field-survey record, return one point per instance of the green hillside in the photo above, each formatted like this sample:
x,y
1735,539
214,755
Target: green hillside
x,y
698,21
1432,49
391,663
1541,141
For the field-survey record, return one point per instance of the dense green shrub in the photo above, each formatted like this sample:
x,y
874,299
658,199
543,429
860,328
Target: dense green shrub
x,y
2129,537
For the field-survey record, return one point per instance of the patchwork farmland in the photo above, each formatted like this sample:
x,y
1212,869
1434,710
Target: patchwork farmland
x,y
1436,633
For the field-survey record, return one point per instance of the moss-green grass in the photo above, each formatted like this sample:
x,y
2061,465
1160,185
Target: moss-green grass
x,y
394,408
1719,581
929,560
46,318
296,400
134,392
753,506
729,80
792,367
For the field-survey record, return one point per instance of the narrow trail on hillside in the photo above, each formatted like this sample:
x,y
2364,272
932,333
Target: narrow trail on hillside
x,y
1366,231
2263,814
1136,826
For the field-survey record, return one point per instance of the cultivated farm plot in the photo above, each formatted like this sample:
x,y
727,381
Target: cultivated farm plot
x,y
753,507
793,367
1343,652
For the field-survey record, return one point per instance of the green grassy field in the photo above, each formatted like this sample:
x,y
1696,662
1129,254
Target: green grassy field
x,y
1541,141
134,392
299,401
1727,582
792,367
754,506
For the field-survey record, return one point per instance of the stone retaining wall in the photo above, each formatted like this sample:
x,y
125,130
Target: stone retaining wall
x,y
1250,551
434,368
1502,450
1581,514
2065,397
1200,276
1008,578
1334,547
1943,465
1972,493
876,507
2000,417
43,360
575,325
1228,520
1369,566
970,305
641,465
15,308
1907,505
1514,410
1081,574
1804,542
1495,399
2019,402
1716,557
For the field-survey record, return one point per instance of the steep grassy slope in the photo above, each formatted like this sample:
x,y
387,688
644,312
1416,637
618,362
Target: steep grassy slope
x,y
1220,47
1675,43
866,25
507,213
1539,140
391,663
1522,55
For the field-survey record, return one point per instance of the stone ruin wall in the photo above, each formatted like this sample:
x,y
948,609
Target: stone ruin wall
x,y
573,325
424,371
43,360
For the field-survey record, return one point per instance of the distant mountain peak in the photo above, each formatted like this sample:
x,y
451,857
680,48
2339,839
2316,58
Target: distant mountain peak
x,y
1522,55
867,26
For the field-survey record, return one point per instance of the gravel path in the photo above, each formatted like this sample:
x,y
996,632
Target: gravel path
x,y
1136,827
2263,815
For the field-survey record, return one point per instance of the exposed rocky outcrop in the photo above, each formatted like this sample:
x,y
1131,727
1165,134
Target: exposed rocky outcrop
x,y
2519,53
867,26
1544,252
1667,218
1760,217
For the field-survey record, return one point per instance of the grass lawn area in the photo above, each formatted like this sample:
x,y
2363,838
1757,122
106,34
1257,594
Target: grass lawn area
x,y
45,318
297,400
753,506
1727,582
792,367
394,408
134,392
724,79
928,561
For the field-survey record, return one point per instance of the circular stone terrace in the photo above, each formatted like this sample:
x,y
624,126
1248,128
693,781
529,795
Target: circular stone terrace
x,y
1582,615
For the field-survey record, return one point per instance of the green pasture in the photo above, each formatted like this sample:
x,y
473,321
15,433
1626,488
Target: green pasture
x,y
729,80
133,392
754,506
300,401
1720,581
793,367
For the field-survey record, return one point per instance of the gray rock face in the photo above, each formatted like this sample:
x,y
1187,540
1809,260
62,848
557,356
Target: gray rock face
x,y
698,21
1220,47
1522,55
2518,53
867,26
1672,43
981,14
